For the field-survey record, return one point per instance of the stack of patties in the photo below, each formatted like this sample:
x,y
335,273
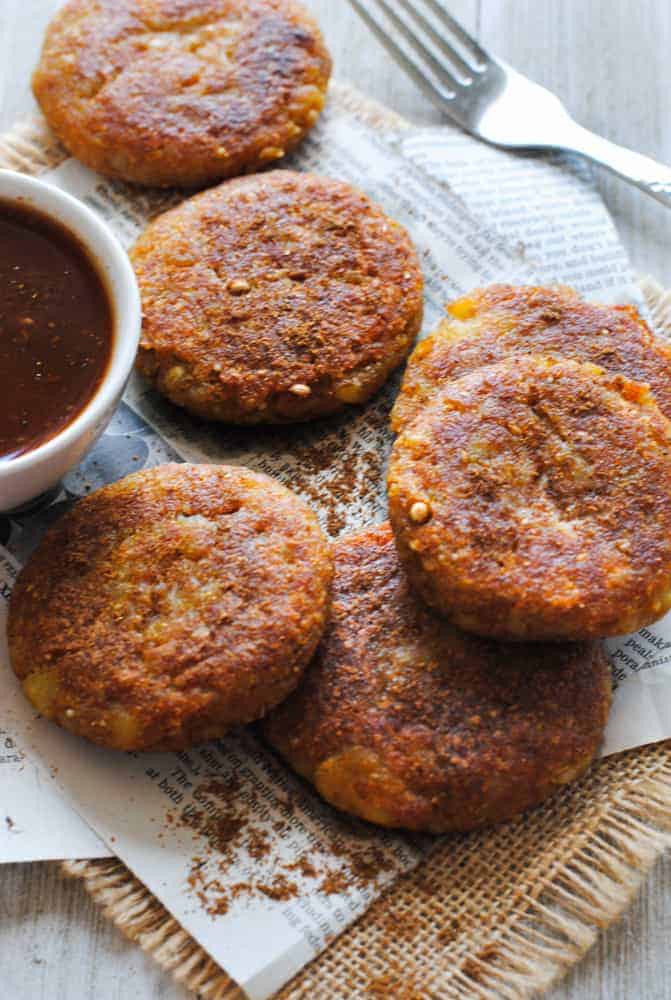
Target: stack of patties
x,y
461,679
185,600
529,483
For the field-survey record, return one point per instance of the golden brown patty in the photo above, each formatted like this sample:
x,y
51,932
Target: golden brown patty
x,y
181,92
407,722
492,324
532,500
278,297
170,606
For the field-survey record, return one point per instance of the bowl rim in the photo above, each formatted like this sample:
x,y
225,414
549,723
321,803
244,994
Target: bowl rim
x,y
115,270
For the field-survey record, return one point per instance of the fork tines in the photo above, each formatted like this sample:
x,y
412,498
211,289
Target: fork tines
x,y
427,41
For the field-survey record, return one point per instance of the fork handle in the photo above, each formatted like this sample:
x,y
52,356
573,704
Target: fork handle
x,y
648,175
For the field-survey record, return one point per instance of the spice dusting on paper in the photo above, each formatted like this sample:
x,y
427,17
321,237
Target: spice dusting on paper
x,y
280,889
304,866
355,482
228,829
345,494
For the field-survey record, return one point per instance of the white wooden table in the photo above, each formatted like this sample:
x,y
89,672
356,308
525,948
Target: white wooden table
x,y
609,60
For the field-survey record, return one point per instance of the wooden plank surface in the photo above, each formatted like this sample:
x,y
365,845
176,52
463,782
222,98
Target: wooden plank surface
x,y
609,60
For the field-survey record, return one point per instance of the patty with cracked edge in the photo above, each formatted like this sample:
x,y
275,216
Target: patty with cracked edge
x,y
491,324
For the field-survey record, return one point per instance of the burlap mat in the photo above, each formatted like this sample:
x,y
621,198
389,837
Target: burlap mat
x,y
499,914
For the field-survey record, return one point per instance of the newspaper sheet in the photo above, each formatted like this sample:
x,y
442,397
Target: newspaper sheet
x,y
545,206
234,846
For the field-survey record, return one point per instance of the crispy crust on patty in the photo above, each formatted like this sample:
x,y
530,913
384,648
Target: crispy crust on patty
x,y
532,500
273,298
181,92
407,722
168,607
491,324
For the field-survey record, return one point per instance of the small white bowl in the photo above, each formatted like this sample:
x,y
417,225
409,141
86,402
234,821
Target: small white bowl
x,y
25,477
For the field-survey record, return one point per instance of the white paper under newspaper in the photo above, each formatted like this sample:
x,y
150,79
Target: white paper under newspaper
x,y
36,822
248,860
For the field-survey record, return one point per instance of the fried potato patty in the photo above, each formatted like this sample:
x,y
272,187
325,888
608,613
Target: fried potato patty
x,y
492,324
181,92
273,298
532,500
405,721
168,607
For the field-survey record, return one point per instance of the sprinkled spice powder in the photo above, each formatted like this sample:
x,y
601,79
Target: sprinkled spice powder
x,y
280,889
343,493
304,867
229,829
334,883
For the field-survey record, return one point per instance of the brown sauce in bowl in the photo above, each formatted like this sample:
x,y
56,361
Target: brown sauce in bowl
x,y
56,329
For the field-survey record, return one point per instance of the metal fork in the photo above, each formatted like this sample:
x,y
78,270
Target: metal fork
x,y
490,99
